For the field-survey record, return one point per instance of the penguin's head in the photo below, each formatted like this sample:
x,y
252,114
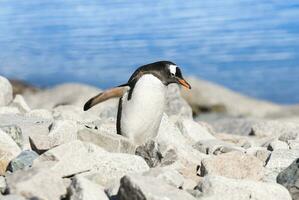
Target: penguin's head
x,y
168,72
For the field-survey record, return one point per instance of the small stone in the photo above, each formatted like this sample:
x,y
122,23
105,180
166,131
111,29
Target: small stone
x,y
5,91
22,161
63,131
289,178
40,113
9,110
150,153
193,130
217,187
83,189
8,151
36,183
263,155
12,197
233,165
142,188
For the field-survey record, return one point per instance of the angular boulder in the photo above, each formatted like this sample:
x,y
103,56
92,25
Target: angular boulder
x,y
5,91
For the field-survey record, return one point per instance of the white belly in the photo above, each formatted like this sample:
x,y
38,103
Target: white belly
x,y
141,115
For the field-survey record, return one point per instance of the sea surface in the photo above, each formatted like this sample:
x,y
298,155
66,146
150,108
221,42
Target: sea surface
x,y
251,46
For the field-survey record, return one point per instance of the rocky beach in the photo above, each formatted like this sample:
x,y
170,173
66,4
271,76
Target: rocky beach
x,y
212,144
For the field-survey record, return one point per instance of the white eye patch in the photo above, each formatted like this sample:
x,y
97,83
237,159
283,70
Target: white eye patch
x,y
172,69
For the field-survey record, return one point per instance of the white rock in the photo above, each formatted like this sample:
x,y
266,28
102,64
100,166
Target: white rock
x,y
20,103
2,184
293,144
63,131
40,113
8,151
235,165
139,187
36,183
218,188
9,110
277,144
194,131
83,189
5,91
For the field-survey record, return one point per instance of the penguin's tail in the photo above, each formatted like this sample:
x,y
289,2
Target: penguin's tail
x,y
107,94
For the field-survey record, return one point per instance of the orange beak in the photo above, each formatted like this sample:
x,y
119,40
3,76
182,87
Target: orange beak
x,y
184,83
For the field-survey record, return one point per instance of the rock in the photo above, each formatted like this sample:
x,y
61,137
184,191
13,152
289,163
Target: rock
x,y
175,105
40,113
293,144
2,185
8,151
20,103
30,126
83,189
263,155
290,135
193,130
15,133
289,178
9,110
217,187
238,140
216,147
110,142
12,197
235,165
74,113
256,127
150,153
110,167
22,161
142,188
60,132
276,144
177,150
22,87
279,160
68,159
209,97
36,183
5,91
170,176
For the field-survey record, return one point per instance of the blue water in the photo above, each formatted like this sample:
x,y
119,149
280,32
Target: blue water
x,y
249,46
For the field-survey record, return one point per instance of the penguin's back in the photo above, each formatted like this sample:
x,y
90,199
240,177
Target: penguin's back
x,y
141,114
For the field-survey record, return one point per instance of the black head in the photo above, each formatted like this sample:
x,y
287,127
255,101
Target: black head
x,y
168,72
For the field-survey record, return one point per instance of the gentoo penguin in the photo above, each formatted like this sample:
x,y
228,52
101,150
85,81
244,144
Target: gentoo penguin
x,y
142,99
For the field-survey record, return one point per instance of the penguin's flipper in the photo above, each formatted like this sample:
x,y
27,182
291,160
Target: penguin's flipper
x,y
107,94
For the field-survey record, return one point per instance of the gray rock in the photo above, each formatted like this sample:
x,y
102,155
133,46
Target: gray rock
x,y
5,91
290,135
12,197
150,153
15,133
235,165
289,178
168,175
22,161
142,188
36,183
193,130
218,188
83,189
175,104
20,103
215,147
110,142
2,185
8,151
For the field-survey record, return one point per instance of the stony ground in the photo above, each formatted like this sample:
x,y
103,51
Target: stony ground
x,y
50,149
